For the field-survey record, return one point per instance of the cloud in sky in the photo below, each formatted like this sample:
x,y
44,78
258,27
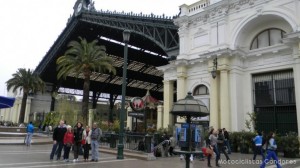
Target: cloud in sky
x,y
29,27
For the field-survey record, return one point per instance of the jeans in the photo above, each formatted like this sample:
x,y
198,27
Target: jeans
x,y
271,154
58,144
216,150
28,138
95,148
227,144
258,150
66,152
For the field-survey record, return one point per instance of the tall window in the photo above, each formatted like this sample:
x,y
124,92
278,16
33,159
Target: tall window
x,y
267,38
274,101
201,90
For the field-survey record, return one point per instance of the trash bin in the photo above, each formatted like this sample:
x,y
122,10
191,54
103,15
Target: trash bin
x,y
112,142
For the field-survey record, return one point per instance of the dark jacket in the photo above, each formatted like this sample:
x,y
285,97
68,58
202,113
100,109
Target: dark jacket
x,y
78,134
59,133
226,135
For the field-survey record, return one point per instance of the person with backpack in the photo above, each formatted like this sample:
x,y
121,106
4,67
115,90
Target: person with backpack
x,y
271,148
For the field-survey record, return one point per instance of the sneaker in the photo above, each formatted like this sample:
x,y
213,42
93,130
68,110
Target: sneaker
x,y
92,160
75,160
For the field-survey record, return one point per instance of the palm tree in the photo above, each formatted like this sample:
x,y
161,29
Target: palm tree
x,y
83,58
27,81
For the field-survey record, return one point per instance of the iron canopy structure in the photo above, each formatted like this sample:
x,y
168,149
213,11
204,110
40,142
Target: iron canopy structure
x,y
152,40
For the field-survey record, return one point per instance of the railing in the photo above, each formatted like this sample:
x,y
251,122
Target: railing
x,y
132,141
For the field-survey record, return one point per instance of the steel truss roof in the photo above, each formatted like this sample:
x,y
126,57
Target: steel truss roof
x,y
150,41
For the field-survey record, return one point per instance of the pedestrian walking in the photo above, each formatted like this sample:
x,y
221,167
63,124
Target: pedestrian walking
x,y
95,137
213,142
227,140
78,130
271,151
58,137
86,142
258,146
68,142
29,130
220,143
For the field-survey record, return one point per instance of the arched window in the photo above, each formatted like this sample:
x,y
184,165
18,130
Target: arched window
x,y
201,90
267,38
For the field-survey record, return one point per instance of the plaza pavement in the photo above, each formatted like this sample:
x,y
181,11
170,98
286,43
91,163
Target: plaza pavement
x,y
12,150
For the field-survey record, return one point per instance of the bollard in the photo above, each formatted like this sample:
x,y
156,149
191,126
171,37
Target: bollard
x,y
148,143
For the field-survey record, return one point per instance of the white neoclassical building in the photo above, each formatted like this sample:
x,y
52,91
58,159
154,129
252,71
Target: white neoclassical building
x,y
254,48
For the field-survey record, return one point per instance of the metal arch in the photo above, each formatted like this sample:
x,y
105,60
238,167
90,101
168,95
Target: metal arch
x,y
161,31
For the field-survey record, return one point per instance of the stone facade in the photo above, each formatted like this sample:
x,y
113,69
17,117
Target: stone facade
x,y
224,30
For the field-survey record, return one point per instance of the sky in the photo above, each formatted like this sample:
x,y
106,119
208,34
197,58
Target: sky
x,y
28,28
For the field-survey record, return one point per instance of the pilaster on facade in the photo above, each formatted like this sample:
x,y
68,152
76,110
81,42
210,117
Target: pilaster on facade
x,y
168,102
160,117
214,103
225,99
296,71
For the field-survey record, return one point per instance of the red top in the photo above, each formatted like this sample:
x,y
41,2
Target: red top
x,y
69,138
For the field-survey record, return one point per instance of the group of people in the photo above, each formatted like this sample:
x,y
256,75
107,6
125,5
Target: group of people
x,y
266,144
65,137
217,141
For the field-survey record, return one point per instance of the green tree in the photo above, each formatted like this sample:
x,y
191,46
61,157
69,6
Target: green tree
x,y
83,58
28,82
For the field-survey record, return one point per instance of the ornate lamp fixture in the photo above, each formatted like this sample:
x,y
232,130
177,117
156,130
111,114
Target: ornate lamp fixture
x,y
215,67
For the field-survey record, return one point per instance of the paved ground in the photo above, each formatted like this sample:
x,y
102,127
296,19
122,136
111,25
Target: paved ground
x,y
37,156
14,154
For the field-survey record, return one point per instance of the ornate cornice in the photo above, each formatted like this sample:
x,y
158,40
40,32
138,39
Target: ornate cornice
x,y
217,10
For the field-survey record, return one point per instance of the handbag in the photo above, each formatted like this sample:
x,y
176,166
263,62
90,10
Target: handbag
x,y
209,151
68,144
83,142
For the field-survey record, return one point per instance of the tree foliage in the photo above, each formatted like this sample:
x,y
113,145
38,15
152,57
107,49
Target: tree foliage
x,y
80,60
28,82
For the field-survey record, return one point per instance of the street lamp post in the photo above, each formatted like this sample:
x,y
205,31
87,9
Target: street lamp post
x,y
126,36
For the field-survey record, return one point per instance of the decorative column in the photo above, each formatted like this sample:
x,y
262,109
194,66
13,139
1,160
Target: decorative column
x,y
224,95
168,103
214,103
34,116
129,118
181,82
91,117
159,123
224,101
296,72
181,86
27,111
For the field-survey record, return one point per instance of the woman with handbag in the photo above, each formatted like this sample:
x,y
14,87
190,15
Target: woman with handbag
x,y
213,139
86,142
68,142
